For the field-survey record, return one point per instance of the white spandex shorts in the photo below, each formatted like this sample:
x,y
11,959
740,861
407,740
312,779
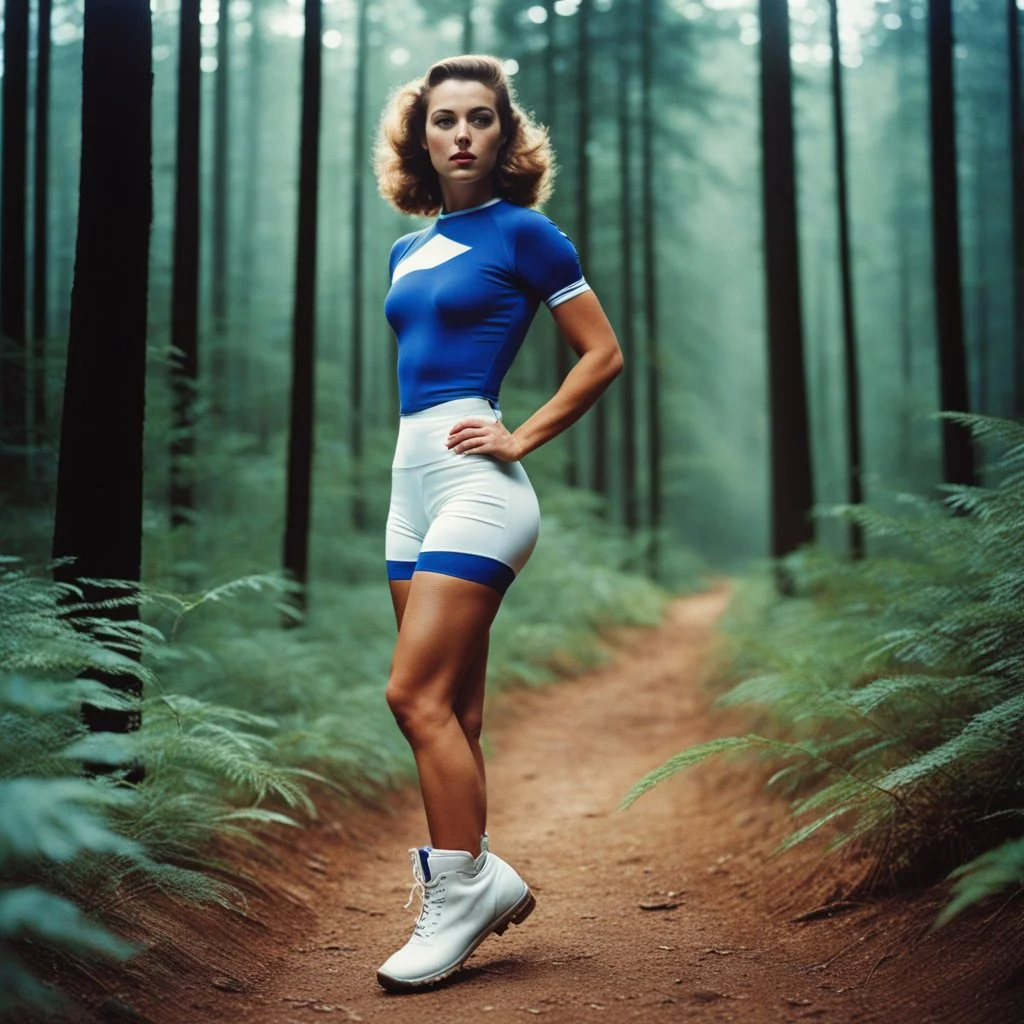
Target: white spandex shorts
x,y
471,516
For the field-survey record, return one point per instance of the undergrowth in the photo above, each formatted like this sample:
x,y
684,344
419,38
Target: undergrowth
x,y
244,723
889,692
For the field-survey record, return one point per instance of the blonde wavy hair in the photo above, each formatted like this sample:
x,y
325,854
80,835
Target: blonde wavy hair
x,y
524,173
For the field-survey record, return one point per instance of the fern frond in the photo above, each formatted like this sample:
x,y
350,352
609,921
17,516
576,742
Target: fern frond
x,y
56,819
685,759
804,833
993,872
985,734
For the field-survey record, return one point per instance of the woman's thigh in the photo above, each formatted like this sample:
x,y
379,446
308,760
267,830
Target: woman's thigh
x,y
443,632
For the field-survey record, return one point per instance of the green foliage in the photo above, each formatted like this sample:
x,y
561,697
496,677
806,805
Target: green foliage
x,y
991,872
240,720
894,685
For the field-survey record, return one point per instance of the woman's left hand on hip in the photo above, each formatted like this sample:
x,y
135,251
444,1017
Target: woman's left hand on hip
x,y
483,437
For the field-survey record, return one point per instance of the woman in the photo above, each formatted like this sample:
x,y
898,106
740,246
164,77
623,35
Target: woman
x,y
464,518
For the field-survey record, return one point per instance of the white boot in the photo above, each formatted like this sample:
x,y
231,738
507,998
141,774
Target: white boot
x,y
464,900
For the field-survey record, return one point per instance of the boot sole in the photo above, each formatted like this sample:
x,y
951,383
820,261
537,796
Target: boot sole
x,y
516,915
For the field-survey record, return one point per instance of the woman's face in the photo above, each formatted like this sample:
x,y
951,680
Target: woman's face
x,y
462,118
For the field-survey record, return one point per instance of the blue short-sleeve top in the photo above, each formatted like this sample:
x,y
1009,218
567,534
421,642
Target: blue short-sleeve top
x,y
463,294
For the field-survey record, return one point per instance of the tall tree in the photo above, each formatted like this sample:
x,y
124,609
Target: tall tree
x,y
220,222
253,419
652,441
41,215
906,191
791,491
467,26
957,453
98,515
553,368
627,386
300,438
13,204
585,129
355,405
185,273
854,488
1017,192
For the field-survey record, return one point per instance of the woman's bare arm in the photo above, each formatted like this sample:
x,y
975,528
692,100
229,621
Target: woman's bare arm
x,y
587,330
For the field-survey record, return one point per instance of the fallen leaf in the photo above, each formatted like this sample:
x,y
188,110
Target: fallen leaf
x,y
665,904
228,984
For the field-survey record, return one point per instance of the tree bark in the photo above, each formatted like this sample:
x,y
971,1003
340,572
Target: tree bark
x,y
854,488
40,233
653,355
185,273
253,418
1017,192
98,515
585,127
467,26
791,491
220,379
303,392
14,203
355,410
957,452
627,337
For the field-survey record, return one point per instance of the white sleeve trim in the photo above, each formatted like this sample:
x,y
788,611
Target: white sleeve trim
x,y
568,292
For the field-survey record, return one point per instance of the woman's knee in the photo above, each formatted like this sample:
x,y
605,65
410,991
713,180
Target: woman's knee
x,y
417,711
471,721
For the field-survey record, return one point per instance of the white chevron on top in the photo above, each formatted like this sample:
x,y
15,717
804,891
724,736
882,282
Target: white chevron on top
x,y
437,251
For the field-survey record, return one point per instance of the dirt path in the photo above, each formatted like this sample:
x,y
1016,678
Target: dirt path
x,y
725,947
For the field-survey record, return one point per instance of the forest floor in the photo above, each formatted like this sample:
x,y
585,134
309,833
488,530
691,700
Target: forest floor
x,y
673,910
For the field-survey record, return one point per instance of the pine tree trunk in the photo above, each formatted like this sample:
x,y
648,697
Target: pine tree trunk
x,y
98,515
41,214
355,409
185,273
220,378
300,439
13,204
792,493
253,417
555,364
957,453
653,356
983,341
627,337
1017,201
467,26
854,489
599,420
904,191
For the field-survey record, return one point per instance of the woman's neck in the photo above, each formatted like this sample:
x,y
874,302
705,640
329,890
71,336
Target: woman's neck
x,y
454,200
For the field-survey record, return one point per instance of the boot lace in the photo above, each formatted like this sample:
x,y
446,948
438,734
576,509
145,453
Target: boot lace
x,y
431,900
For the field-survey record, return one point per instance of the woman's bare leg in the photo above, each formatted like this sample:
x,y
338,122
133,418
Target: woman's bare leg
x,y
469,705
469,710
436,692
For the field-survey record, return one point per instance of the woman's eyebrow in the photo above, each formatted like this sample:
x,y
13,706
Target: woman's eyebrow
x,y
445,110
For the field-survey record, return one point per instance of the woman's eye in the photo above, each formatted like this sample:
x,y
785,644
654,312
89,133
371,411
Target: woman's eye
x,y
481,119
